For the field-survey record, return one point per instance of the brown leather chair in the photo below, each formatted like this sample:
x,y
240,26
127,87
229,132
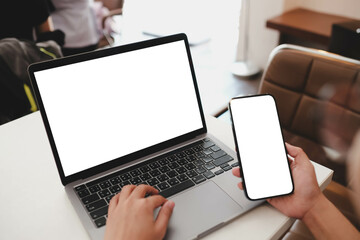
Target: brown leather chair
x,y
318,99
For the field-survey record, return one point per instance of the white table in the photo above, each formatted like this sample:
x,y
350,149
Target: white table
x,y
34,204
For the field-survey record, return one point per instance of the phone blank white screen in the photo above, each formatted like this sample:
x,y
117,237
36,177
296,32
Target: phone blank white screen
x,y
106,108
260,144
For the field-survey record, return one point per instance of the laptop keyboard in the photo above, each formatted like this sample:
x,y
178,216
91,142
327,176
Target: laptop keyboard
x,y
170,174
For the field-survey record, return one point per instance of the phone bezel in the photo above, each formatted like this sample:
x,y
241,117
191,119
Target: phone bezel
x,y
238,153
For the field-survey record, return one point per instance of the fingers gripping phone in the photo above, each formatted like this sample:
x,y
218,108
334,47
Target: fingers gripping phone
x,y
263,161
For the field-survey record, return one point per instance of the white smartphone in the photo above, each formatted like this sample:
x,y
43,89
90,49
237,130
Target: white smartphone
x,y
260,147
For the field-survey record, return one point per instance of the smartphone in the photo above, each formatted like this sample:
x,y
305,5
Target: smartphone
x,y
263,161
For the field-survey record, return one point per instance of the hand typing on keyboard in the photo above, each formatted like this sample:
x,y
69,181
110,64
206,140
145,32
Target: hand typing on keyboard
x,y
131,214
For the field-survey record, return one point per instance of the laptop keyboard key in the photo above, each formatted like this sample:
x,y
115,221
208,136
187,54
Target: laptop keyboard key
x,y
81,187
145,176
154,165
227,168
172,158
191,174
104,193
173,165
197,148
189,152
164,169
198,162
163,186
155,173
162,177
115,189
95,205
145,169
125,177
235,164
115,180
135,180
218,172
218,154
224,165
182,161
94,188
207,159
83,193
207,151
173,181
108,198
200,154
209,174
153,181
207,144
105,185
182,177
99,213
190,166
163,162
180,155
100,222
198,179
200,170
135,173
191,158
215,148
90,198
181,170
222,160
172,174
177,188
123,184
209,166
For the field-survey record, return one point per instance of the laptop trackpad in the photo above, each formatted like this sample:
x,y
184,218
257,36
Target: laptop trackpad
x,y
200,209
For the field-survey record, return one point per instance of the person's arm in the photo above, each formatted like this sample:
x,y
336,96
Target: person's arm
x,y
46,26
325,221
308,203
131,215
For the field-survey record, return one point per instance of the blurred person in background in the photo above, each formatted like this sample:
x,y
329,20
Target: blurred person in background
x,y
77,20
27,35
28,20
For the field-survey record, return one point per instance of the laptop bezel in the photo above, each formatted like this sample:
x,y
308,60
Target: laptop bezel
x,y
104,53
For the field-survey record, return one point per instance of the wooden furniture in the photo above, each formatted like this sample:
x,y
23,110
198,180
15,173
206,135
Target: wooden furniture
x,y
317,95
306,25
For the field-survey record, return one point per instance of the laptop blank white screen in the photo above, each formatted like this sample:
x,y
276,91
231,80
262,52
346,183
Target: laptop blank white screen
x,y
102,109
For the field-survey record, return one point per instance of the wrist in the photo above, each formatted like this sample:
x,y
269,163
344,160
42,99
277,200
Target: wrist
x,y
318,206
325,221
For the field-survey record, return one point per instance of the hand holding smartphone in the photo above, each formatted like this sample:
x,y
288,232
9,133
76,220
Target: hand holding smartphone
x,y
263,161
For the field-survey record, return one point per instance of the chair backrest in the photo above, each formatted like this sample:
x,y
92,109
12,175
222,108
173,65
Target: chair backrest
x,y
317,93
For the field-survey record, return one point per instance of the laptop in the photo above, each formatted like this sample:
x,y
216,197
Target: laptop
x,y
132,115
